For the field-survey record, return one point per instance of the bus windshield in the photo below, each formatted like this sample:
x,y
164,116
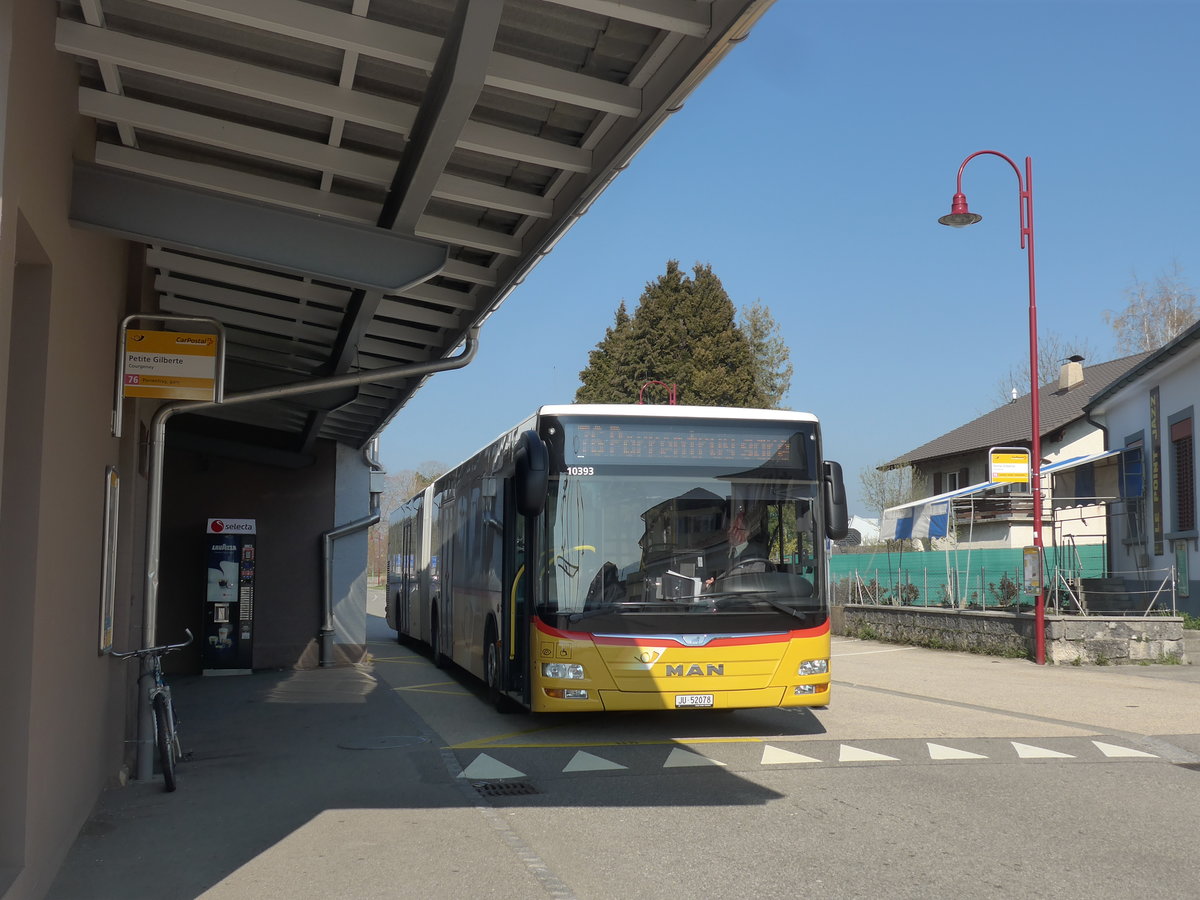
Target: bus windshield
x,y
650,550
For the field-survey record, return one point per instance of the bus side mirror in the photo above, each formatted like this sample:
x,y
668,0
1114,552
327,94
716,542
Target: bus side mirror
x,y
837,516
532,475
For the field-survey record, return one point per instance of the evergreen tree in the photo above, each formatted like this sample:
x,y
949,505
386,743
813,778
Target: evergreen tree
x,y
605,378
684,333
773,367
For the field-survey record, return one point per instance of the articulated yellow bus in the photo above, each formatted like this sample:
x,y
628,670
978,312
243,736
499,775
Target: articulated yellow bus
x,y
607,557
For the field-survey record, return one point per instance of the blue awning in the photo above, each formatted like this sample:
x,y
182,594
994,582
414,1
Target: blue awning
x,y
930,517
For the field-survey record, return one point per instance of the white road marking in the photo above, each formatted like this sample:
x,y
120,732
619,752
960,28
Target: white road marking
x,y
486,767
937,751
589,762
680,757
857,754
1028,751
1112,750
775,756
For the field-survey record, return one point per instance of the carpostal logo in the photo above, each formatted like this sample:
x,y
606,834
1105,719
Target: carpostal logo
x,y
194,340
236,526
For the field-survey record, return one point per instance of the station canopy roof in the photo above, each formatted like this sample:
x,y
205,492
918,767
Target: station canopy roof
x,y
351,185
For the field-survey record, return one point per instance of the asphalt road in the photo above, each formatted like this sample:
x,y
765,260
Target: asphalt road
x,y
932,774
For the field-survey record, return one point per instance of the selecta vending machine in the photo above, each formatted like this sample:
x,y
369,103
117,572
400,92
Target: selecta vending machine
x,y
228,642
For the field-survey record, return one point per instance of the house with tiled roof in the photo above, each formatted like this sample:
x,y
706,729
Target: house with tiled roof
x,y
991,515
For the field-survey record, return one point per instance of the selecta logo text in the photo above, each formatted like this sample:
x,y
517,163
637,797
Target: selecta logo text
x,y
219,526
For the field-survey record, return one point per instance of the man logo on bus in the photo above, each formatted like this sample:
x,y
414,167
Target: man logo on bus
x,y
696,669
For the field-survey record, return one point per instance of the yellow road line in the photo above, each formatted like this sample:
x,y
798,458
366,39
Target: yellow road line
x,y
483,743
434,687
511,734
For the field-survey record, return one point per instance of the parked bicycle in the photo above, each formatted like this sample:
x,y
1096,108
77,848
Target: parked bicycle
x,y
166,726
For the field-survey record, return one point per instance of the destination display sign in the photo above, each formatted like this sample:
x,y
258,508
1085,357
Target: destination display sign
x,y
755,444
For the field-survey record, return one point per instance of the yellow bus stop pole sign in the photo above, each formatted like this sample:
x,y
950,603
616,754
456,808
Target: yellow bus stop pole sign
x,y
169,365
1008,464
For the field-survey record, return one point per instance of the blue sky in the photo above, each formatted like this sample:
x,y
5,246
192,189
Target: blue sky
x,y
809,170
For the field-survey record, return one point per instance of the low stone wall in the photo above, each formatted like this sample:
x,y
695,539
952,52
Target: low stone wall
x,y
1070,640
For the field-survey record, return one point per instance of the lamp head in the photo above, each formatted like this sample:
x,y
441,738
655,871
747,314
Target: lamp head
x,y
960,216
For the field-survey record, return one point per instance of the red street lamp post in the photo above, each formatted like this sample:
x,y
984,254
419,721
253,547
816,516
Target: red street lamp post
x,y
959,217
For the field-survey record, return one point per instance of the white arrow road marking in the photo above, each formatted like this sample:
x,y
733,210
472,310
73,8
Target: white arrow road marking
x,y
589,762
855,754
1114,750
775,756
486,767
1028,751
937,751
680,757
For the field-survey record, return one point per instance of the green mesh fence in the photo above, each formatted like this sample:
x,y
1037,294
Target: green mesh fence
x,y
976,579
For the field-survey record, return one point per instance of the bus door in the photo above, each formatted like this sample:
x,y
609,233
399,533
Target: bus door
x,y
407,565
514,603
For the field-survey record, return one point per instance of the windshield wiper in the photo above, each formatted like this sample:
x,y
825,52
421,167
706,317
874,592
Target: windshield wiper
x,y
763,596
619,607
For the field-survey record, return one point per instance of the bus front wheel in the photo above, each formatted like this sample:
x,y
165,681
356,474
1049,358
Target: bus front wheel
x,y
491,670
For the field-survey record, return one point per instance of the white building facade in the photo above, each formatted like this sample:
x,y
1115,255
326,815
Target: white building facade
x,y
1153,408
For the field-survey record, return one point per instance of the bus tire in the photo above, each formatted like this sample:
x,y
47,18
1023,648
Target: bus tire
x,y
491,670
435,640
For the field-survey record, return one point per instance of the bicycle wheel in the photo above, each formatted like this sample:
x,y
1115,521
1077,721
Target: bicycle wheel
x,y
164,737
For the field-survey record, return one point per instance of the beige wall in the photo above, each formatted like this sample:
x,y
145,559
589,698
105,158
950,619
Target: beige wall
x,y
62,294
67,713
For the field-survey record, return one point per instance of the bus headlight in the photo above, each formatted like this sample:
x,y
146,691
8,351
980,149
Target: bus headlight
x,y
566,693
562,670
813,667
802,689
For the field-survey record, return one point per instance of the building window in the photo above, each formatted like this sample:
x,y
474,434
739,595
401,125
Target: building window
x,y
1183,474
1133,486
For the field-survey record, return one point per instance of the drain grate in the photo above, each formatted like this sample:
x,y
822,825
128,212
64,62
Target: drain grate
x,y
504,788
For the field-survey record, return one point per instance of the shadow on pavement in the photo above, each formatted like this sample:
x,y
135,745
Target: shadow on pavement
x,y
321,766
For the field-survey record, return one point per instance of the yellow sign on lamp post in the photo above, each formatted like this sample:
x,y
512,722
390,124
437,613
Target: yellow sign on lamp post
x,y
1008,464
169,365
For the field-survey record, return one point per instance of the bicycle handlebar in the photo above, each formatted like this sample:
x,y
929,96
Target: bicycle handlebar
x,y
161,650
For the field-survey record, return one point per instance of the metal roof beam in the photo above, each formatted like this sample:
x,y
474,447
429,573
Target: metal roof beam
x,y
268,190
680,16
453,91
160,212
285,89
416,50
260,142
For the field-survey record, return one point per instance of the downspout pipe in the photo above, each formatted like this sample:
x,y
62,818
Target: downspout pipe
x,y
157,442
325,636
